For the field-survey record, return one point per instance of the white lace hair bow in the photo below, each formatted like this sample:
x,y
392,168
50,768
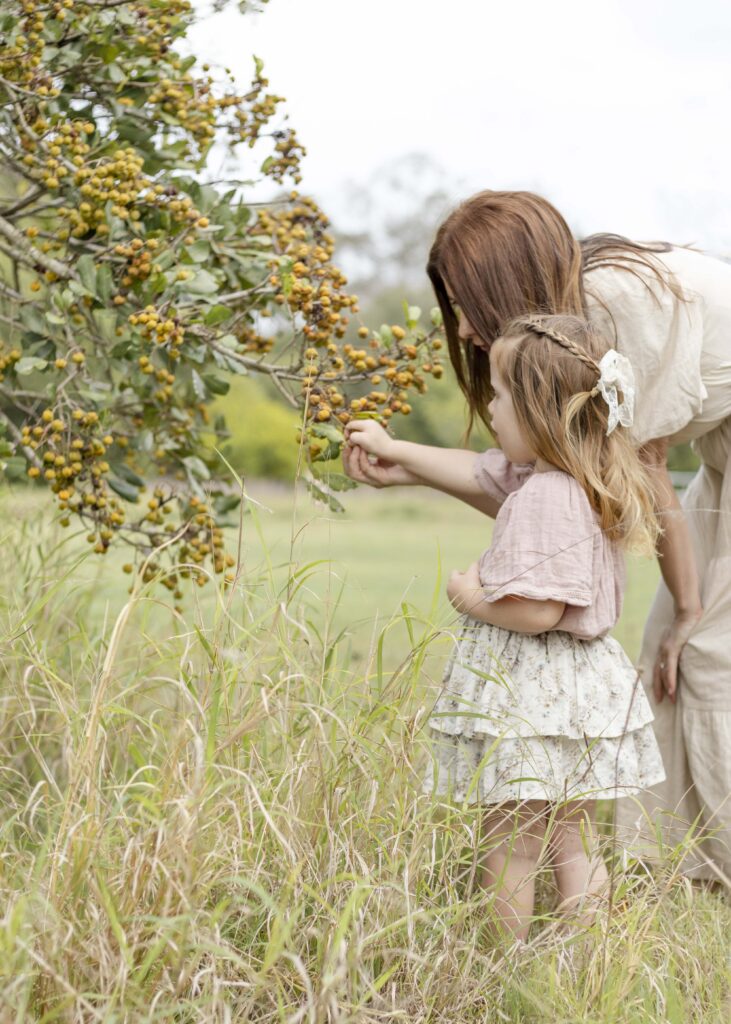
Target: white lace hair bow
x,y
616,373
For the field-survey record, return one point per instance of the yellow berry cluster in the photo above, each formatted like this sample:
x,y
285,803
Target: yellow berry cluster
x,y
138,260
22,50
254,112
303,278
8,359
289,152
190,102
203,538
158,23
55,147
72,453
161,328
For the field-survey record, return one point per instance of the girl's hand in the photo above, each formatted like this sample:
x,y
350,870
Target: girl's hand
x,y
665,672
363,463
368,469
371,437
464,589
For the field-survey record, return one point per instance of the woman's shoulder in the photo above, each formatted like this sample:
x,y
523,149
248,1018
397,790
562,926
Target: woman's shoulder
x,y
660,282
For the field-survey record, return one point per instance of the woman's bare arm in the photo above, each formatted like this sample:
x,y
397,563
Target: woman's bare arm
x,y
678,568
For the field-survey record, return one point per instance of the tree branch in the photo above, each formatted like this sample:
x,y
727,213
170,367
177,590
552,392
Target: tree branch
x,y
32,257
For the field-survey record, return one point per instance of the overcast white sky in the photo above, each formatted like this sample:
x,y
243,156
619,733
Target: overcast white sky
x,y
619,111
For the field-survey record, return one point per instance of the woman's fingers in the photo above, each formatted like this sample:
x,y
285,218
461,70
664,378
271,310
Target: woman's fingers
x,y
665,675
665,670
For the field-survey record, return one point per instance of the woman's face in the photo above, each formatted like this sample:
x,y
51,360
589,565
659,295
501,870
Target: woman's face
x,y
503,418
466,332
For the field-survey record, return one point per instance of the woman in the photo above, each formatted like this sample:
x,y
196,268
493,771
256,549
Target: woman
x,y
503,254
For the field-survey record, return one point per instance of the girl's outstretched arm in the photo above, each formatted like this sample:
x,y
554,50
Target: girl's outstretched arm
x,y
445,469
521,614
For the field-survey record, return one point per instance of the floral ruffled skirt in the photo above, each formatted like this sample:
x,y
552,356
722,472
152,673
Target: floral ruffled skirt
x,y
540,717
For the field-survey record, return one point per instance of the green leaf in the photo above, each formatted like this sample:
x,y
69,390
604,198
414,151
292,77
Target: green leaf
x,y
196,467
413,314
329,431
216,385
226,502
199,251
128,474
44,349
229,341
198,385
435,315
86,269
386,335
320,492
339,482
127,491
16,468
105,282
106,322
32,319
28,364
204,283
217,315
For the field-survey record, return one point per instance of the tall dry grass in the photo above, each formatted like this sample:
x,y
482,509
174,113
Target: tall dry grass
x,y
218,817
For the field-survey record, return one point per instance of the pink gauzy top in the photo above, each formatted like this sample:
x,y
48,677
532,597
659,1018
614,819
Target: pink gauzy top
x,y
547,545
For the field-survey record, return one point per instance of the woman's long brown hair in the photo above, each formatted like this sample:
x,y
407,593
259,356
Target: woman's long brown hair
x,y
505,254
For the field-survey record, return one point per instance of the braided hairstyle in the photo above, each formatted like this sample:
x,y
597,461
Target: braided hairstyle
x,y
550,365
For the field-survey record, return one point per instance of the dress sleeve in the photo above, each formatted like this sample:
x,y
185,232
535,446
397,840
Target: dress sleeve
x,y
499,477
661,335
544,549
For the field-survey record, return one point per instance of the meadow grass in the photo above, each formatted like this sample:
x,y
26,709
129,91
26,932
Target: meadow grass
x,y
216,815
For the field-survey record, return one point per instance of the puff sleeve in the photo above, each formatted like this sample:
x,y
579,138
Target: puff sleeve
x,y
661,335
543,544
497,476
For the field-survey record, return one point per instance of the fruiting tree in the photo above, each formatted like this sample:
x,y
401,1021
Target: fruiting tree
x,y
131,286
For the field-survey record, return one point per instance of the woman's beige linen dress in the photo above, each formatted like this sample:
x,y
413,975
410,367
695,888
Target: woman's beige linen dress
x,y
681,354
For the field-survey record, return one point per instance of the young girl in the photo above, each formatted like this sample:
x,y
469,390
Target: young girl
x,y
541,711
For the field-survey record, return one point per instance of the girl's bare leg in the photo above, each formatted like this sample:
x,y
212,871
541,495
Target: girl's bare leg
x,y
581,874
515,835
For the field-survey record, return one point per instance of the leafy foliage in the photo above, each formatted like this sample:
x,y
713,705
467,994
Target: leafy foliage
x,y
131,287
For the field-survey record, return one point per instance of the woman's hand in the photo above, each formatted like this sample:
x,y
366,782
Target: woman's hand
x,y
365,456
665,671
678,568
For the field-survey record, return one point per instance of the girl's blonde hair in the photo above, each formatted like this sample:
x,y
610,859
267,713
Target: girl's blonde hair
x,y
550,364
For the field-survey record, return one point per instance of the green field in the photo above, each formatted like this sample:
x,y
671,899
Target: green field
x,y
389,554
215,815
399,545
